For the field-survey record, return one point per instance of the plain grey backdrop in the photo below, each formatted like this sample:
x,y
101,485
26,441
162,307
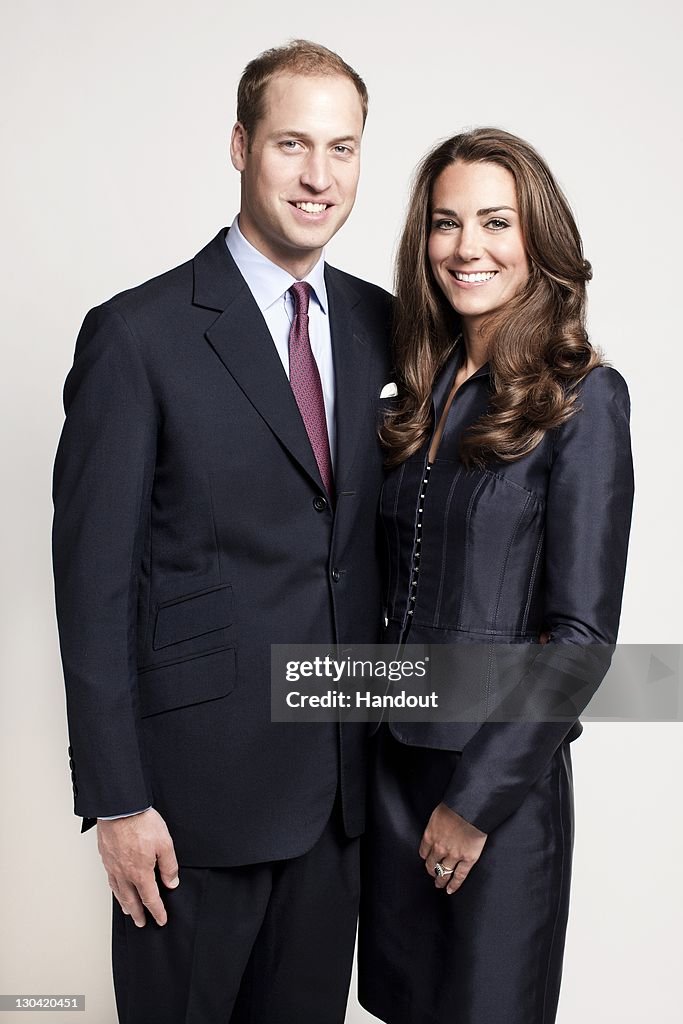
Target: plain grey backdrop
x,y
115,128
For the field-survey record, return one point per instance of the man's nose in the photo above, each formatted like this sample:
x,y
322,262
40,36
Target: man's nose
x,y
316,173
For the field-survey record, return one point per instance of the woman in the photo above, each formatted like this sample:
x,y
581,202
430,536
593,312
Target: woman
x,y
507,511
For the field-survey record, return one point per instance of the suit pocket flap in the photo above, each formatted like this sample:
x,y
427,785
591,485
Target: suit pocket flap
x,y
193,615
187,682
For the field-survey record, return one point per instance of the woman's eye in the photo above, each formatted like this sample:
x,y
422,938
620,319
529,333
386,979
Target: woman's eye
x,y
497,223
444,225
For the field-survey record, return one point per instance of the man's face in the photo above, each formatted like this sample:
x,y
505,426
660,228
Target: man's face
x,y
300,174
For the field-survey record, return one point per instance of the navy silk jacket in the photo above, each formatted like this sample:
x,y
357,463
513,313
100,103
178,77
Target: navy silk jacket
x,y
507,553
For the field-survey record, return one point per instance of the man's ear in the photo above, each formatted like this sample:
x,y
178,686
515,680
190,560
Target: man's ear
x,y
238,146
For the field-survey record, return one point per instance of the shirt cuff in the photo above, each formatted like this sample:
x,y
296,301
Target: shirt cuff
x,y
128,814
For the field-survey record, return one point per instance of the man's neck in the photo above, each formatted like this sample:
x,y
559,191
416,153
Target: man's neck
x,y
296,264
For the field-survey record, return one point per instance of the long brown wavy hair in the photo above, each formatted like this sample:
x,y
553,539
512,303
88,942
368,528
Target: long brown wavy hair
x,y
537,343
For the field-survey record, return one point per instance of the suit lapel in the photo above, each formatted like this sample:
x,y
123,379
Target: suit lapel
x,y
351,353
242,341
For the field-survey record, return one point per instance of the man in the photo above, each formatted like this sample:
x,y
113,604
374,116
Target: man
x,y
215,492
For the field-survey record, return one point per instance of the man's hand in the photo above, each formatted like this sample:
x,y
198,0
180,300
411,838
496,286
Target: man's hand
x,y
130,848
452,842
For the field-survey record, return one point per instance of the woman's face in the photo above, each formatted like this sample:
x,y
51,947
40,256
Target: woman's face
x,y
475,248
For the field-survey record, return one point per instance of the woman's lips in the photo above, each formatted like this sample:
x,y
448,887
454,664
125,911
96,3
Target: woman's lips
x,y
472,280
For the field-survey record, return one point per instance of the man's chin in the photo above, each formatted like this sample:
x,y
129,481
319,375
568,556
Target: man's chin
x,y
314,230
312,238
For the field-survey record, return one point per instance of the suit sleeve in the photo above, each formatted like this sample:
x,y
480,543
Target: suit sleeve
x,y
101,492
588,517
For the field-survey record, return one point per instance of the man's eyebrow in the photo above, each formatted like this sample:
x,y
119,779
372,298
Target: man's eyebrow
x,y
295,133
480,213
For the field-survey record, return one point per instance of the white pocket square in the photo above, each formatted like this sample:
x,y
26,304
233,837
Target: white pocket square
x,y
389,390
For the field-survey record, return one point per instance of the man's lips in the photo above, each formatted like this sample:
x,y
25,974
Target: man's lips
x,y
310,208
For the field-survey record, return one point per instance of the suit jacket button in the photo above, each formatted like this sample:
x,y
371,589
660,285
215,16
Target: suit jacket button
x,y
336,575
319,503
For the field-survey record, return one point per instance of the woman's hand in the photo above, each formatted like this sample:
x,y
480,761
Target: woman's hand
x,y
452,842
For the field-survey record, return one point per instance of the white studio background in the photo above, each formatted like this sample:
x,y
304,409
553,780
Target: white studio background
x,y
115,129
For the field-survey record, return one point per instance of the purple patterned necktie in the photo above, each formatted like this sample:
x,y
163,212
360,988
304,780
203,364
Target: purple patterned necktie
x,y
305,381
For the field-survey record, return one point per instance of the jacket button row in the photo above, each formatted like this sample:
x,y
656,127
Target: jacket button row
x,y
319,503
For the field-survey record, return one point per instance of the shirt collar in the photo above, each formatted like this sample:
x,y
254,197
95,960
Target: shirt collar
x,y
444,379
267,282
459,355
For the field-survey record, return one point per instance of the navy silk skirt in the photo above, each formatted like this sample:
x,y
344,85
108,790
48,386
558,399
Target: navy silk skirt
x,y
492,952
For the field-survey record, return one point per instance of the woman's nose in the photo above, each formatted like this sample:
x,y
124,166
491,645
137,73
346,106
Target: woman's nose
x,y
469,245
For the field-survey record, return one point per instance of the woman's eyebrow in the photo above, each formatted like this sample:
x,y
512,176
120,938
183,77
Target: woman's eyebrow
x,y
480,213
494,209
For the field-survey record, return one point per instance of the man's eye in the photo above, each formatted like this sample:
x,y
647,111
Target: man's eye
x,y
289,144
343,150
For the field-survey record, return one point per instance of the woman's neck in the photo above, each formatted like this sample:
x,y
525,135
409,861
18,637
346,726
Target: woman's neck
x,y
476,350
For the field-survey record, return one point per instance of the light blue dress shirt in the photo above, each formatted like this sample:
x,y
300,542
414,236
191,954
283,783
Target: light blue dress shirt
x,y
270,284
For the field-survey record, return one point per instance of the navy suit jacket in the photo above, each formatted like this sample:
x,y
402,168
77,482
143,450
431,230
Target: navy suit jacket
x,y
191,531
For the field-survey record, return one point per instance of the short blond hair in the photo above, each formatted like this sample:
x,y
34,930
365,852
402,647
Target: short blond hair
x,y
298,57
